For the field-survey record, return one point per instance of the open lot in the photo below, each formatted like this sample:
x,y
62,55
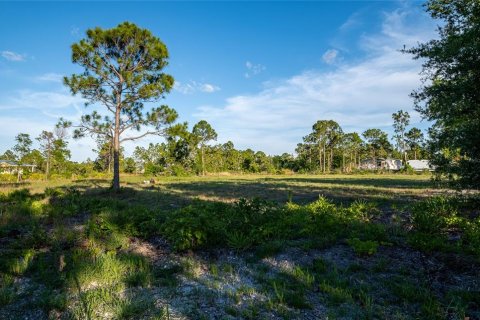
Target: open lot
x,y
299,247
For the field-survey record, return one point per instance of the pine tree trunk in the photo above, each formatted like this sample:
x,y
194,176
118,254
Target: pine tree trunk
x,y
328,163
47,171
203,162
324,158
116,152
331,160
320,157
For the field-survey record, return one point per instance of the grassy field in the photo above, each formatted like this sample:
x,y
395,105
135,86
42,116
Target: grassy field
x,y
239,247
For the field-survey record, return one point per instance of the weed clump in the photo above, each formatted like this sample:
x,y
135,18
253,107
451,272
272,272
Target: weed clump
x,y
363,248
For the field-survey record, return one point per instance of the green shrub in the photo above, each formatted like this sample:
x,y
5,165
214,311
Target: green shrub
x,y
269,249
320,265
105,234
239,241
52,192
178,171
6,177
195,226
19,265
49,300
136,221
363,248
434,215
435,218
18,196
471,236
362,210
36,176
7,292
241,225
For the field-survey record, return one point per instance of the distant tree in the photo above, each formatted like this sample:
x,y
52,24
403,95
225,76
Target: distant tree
x,y
319,135
202,133
54,147
46,139
450,94
414,140
334,135
61,154
326,134
8,155
153,159
129,165
104,151
263,163
401,120
181,148
23,146
306,152
123,69
231,156
35,157
377,143
351,144
248,161
284,161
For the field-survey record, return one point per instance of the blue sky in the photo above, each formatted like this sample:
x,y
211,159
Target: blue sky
x,y
260,72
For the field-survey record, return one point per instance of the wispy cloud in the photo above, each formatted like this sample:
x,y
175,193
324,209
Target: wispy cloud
x,y
50,77
52,104
13,56
33,111
193,86
330,56
209,88
253,69
352,22
358,95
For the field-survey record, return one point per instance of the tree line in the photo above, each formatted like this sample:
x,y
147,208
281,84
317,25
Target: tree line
x,y
183,152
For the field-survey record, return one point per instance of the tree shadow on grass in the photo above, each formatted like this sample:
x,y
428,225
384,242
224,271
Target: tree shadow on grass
x,y
378,181
14,184
281,191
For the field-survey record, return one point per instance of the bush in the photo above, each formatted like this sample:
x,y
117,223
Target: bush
x,y
36,176
408,169
363,248
136,221
6,177
178,171
434,215
196,225
435,218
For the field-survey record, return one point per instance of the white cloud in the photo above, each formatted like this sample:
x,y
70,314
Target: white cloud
x,y
253,69
330,56
50,77
208,88
51,104
352,22
357,95
42,100
193,86
13,56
